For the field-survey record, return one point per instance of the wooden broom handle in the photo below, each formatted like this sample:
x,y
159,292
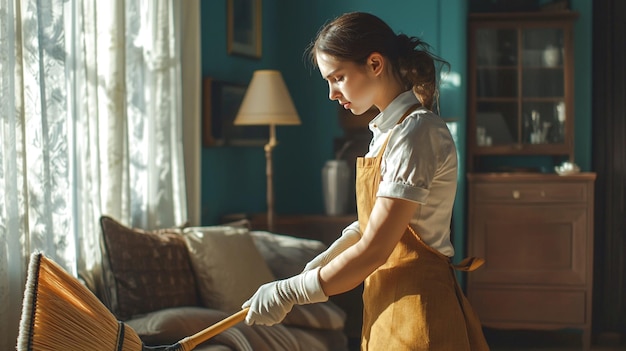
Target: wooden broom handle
x,y
190,342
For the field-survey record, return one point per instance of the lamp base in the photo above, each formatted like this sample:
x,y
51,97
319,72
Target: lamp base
x,y
269,173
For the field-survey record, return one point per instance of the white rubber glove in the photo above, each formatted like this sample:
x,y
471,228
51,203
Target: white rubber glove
x,y
348,238
272,301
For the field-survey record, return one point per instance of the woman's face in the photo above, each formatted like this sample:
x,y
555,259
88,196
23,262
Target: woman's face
x,y
351,84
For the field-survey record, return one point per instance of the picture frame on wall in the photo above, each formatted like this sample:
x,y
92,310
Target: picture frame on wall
x,y
221,101
244,28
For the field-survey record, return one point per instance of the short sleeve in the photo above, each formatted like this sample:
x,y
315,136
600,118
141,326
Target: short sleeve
x,y
415,152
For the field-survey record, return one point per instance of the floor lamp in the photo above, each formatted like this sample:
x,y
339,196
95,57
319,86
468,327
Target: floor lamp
x,y
267,102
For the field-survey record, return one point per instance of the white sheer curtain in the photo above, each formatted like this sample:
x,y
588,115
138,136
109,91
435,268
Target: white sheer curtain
x,y
91,124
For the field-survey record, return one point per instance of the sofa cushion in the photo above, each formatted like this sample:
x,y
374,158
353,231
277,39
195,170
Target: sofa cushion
x,y
228,266
286,255
146,270
170,325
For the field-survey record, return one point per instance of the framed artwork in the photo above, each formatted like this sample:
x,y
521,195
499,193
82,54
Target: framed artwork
x,y
244,27
221,101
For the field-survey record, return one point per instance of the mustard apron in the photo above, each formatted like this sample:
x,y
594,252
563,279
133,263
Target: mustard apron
x,y
413,301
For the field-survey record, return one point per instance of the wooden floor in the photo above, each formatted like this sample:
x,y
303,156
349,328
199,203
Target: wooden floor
x,y
521,340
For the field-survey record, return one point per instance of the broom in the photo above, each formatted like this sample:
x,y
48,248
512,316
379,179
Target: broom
x,y
59,313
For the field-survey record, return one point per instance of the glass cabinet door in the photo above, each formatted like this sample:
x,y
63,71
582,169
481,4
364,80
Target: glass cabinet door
x,y
543,86
520,90
497,87
520,86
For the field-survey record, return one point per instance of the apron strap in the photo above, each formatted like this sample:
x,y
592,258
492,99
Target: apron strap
x,y
468,264
379,157
408,112
404,116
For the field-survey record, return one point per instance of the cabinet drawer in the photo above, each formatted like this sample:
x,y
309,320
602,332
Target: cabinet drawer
x,y
501,306
540,244
528,192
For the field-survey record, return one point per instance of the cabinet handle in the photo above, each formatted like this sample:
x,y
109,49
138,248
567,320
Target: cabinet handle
x,y
542,193
516,194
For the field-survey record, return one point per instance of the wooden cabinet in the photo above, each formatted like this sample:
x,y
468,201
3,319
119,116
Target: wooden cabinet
x,y
533,227
535,233
521,87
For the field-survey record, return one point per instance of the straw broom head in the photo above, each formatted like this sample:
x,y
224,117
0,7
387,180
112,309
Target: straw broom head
x,y
59,313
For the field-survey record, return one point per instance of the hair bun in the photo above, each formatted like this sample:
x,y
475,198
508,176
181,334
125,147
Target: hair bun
x,y
404,43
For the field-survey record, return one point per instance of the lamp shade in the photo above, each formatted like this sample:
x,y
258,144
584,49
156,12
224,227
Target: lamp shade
x,y
267,101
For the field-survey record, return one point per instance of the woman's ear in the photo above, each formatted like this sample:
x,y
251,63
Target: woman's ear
x,y
376,63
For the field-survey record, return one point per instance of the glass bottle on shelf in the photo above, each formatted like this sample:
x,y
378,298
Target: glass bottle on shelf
x,y
560,119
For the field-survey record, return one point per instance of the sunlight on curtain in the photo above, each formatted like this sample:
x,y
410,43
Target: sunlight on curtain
x,y
91,124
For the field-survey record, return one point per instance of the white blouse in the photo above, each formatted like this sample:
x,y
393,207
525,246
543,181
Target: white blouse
x,y
419,164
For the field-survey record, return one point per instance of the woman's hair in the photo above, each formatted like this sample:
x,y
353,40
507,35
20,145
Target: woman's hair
x,y
354,36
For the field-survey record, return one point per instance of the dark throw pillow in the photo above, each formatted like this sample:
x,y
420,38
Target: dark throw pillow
x,y
146,271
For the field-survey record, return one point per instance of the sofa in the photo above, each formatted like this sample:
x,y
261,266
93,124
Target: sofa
x,y
171,283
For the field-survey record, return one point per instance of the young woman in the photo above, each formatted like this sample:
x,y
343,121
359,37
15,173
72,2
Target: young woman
x,y
405,186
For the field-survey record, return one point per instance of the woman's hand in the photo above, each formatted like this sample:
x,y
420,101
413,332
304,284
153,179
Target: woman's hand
x,y
272,301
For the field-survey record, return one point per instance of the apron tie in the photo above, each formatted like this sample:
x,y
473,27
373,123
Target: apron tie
x,y
469,264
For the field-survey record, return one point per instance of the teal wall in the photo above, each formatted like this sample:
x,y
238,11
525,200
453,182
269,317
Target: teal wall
x,y
233,178
583,47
